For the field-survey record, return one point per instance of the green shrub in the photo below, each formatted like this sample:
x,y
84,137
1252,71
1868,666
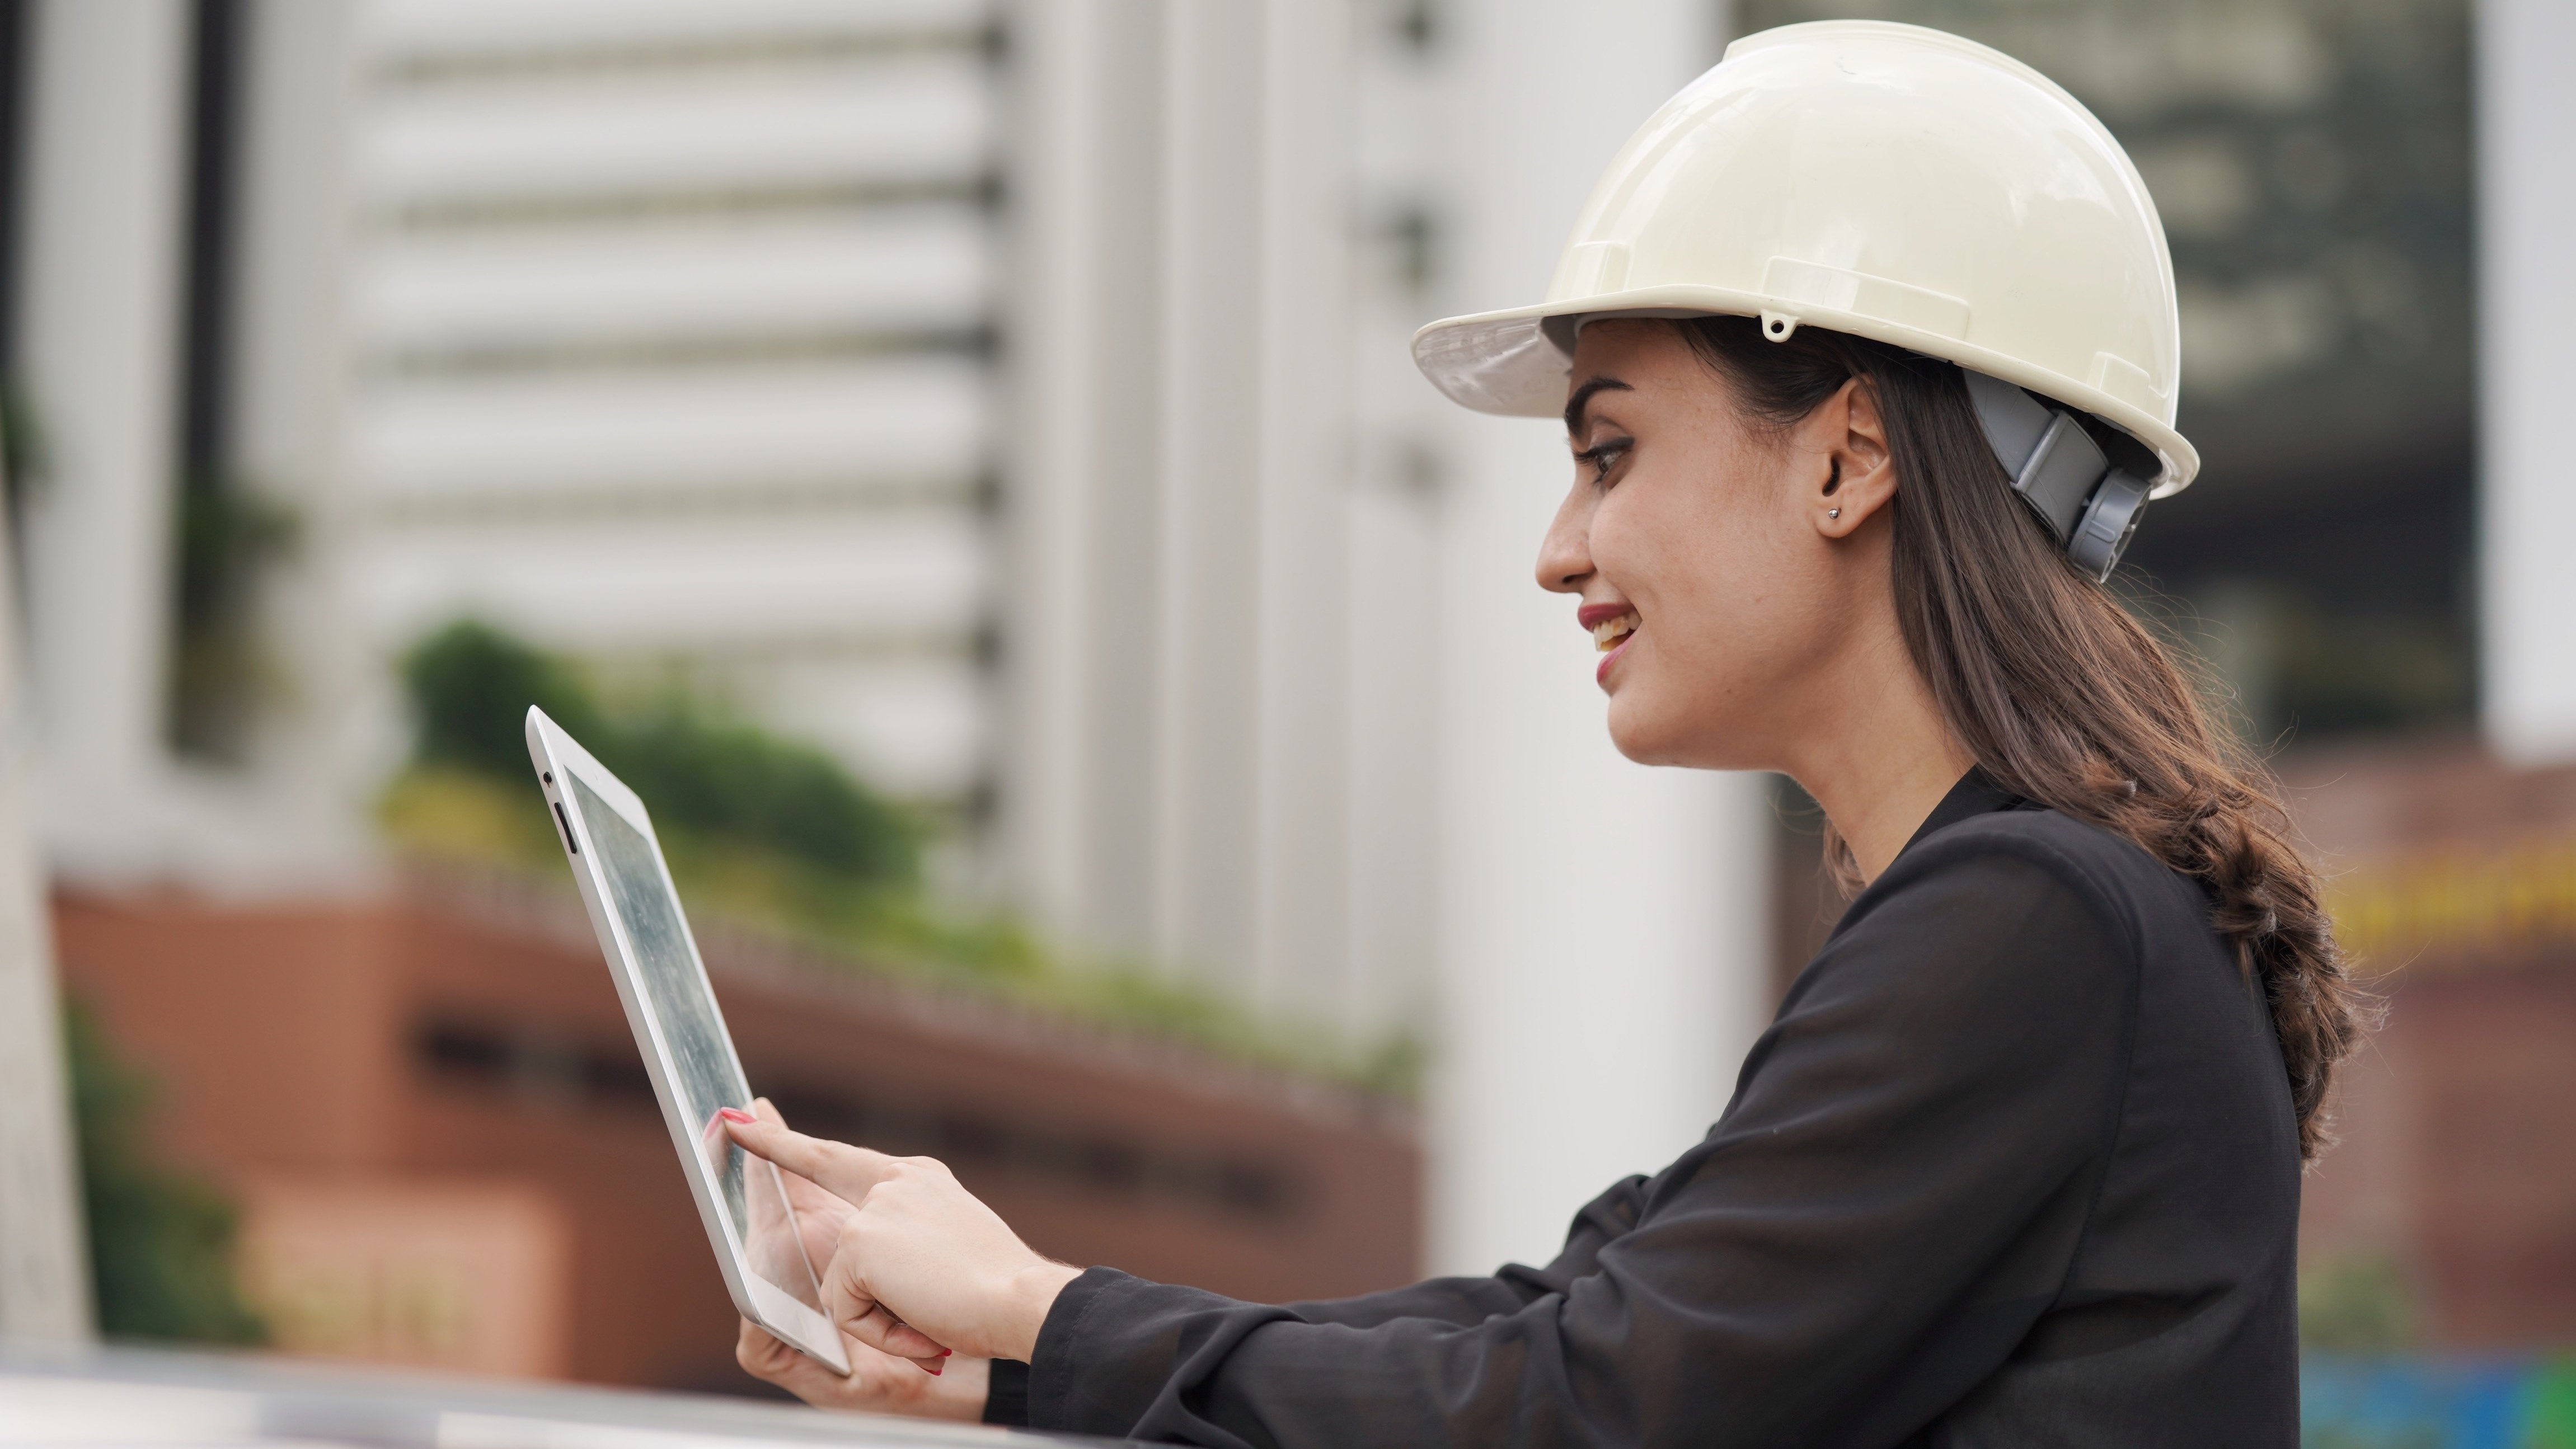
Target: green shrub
x,y
736,783
778,834
160,1243
471,685
2356,1303
470,688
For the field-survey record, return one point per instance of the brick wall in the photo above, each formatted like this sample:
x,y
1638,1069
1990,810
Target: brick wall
x,y
459,1034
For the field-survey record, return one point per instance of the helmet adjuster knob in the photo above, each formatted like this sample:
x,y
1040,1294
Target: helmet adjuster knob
x,y
2091,506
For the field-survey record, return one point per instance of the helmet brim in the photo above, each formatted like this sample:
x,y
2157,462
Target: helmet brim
x,y
1506,362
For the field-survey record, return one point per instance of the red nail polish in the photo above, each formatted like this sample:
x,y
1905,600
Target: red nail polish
x,y
937,1369
945,1352
735,1114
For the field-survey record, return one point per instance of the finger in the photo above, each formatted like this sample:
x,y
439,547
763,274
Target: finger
x,y
802,1193
846,1172
882,1331
905,1341
798,1375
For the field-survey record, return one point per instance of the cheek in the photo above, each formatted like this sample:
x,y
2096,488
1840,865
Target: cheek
x,y
1704,578
1729,610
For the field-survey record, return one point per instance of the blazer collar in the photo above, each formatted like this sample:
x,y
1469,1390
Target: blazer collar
x,y
1975,794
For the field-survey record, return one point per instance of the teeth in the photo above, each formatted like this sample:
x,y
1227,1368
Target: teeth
x,y
1607,634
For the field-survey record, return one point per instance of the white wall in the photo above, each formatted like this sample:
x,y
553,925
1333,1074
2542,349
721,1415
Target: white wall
x,y
100,285
1312,952
1603,927
1180,782
44,1277
314,768
2527,370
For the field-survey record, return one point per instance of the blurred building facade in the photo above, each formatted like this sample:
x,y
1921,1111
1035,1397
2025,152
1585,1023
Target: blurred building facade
x,y
447,1153
1012,398
702,338
661,333
2446,1217
667,334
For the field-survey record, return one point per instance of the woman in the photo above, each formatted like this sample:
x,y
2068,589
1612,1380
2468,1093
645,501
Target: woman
x,y
1866,352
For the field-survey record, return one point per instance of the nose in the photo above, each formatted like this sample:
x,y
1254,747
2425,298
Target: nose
x,y
1565,555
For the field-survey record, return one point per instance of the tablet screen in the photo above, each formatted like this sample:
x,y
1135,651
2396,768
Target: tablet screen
x,y
705,1076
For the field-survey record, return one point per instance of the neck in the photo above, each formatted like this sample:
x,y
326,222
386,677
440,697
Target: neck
x,y
1879,756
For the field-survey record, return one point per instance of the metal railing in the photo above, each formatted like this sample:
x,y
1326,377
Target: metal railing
x,y
134,1398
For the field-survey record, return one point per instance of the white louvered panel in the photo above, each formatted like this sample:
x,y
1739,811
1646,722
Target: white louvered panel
x,y
911,116
687,583
901,269
509,26
693,427
619,266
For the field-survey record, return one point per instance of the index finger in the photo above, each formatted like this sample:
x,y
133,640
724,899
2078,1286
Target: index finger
x,y
844,1171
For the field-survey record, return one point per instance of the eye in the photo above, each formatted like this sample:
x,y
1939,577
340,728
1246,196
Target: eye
x,y
1603,456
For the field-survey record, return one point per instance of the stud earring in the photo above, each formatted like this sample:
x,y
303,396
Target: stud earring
x,y
1833,513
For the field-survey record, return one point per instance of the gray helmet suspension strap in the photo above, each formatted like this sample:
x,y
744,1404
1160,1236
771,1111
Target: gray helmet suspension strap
x,y
2059,470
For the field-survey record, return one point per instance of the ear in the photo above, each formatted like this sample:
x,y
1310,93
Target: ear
x,y
1854,475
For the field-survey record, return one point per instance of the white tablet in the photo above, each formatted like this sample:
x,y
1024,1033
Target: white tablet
x,y
645,937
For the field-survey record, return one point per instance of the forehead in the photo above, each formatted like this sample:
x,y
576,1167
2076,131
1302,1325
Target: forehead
x,y
1637,350
1645,360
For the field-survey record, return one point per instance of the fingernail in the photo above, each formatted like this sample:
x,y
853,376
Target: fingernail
x,y
735,1114
945,1352
937,1369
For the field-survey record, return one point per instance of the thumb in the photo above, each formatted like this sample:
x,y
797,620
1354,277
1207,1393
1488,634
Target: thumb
x,y
853,1308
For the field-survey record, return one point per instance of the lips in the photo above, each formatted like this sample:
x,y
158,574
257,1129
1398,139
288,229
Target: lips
x,y
1613,626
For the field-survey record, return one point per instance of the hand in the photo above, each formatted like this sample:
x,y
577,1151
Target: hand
x,y
783,1257
919,1251
879,1383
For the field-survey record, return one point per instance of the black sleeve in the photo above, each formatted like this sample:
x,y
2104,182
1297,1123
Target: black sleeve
x,y
1462,1301
1889,1203
1467,1302
1006,1393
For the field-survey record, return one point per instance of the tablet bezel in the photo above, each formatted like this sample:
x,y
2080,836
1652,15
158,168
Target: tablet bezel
x,y
558,757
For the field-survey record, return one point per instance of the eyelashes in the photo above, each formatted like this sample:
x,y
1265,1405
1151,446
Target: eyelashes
x,y
1601,457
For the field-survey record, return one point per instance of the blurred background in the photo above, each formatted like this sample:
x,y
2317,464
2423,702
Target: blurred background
x,y
960,461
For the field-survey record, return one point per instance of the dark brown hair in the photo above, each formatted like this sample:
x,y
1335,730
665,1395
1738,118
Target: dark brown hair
x,y
2060,694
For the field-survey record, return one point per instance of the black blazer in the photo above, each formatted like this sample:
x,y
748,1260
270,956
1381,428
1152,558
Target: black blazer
x,y
2015,1164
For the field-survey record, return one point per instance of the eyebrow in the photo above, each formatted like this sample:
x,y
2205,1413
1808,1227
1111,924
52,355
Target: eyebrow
x,y
1582,399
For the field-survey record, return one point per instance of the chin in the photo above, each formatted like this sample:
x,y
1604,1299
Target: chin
x,y
1675,736
1641,736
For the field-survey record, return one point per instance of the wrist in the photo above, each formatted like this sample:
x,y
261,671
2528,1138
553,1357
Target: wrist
x,y
959,1393
1029,1297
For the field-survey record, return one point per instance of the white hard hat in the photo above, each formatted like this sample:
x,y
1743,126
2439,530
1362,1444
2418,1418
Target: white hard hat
x,y
1888,181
